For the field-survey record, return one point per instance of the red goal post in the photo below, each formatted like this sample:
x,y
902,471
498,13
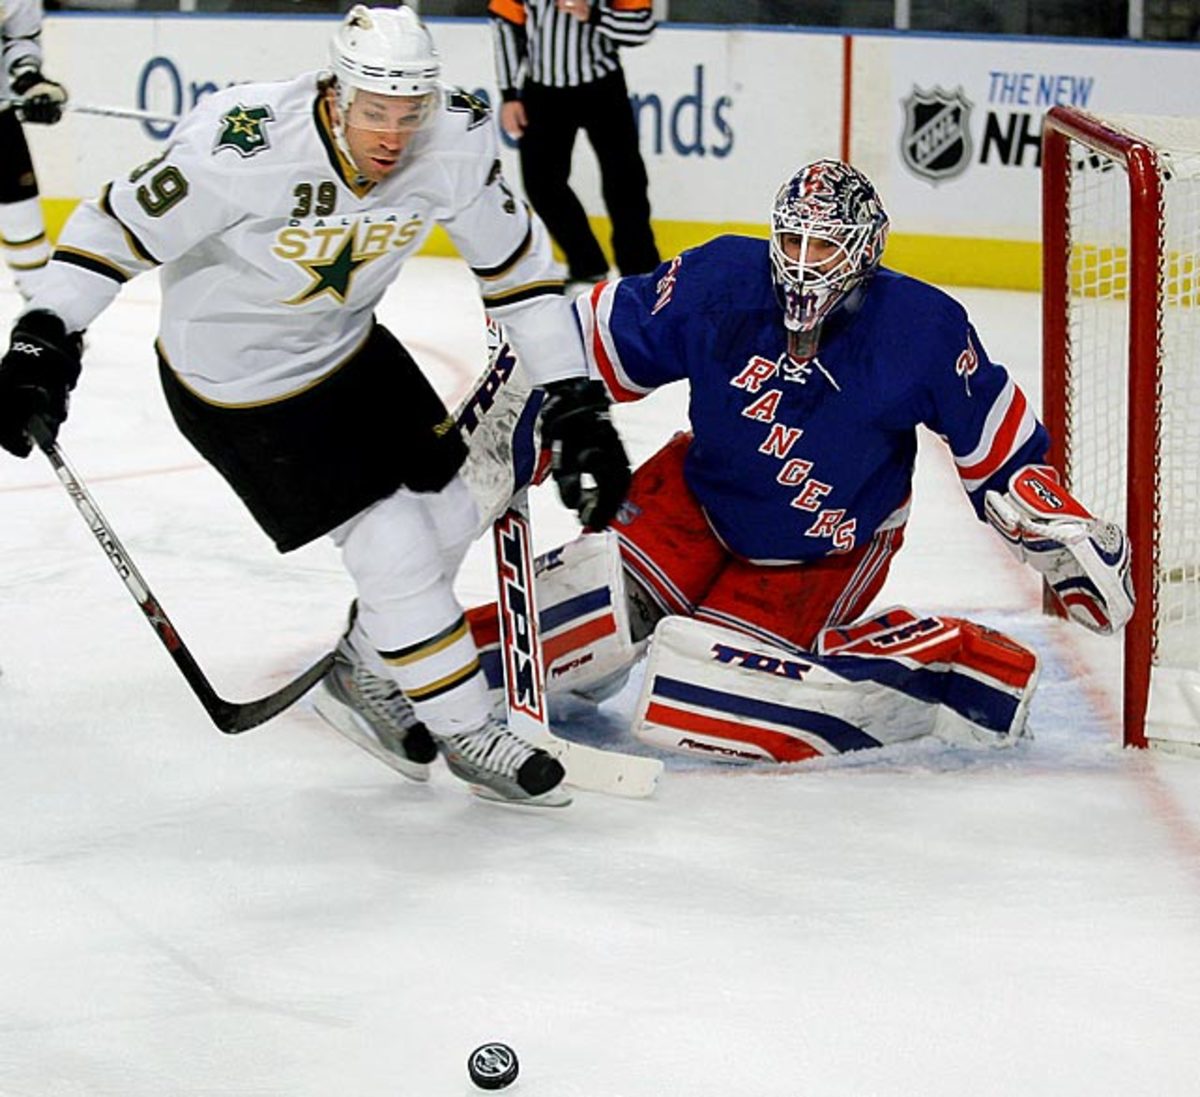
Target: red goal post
x,y
1121,379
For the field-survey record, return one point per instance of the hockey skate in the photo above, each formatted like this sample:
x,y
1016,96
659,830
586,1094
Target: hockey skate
x,y
501,766
374,714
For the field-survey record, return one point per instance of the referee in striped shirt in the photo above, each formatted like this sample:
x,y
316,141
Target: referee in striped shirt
x,y
559,71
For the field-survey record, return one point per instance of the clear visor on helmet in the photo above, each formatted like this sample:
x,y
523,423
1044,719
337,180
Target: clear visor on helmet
x,y
401,114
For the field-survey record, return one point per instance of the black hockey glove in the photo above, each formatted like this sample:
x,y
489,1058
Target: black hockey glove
x,y
43,99
587,458
40,368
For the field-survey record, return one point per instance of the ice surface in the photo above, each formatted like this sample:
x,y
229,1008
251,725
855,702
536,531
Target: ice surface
x,y
186,914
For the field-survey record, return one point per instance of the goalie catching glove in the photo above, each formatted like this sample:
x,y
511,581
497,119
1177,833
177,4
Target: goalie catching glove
x,y
587,459
1084,560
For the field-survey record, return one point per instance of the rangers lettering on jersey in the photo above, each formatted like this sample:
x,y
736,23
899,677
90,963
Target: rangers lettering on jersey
x,y
793,465
794,471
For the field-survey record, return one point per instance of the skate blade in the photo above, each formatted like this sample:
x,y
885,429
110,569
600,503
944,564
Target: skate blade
x,y
554,798
338,717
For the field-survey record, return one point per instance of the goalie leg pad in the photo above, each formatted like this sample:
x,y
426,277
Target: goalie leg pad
x,y
898,676
584,619
720,694
584,613
982,679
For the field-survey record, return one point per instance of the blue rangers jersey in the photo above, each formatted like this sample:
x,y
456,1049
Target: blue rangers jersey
x,y
794,461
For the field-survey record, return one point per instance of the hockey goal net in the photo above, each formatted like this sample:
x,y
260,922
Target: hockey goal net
x,y
1121,378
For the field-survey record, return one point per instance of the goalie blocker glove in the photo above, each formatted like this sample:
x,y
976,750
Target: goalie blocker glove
x,y
587,459
36,375
1084,560
43,99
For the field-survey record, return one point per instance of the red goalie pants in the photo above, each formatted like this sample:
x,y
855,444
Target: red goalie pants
x,y
669,548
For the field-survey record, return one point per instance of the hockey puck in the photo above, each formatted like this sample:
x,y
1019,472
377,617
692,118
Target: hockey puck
x,y
493,1066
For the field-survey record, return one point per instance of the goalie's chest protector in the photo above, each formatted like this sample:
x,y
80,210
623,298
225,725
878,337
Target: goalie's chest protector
x,y
795,461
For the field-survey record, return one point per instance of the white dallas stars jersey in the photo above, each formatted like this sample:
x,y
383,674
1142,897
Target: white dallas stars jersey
x,y
20,35
275,253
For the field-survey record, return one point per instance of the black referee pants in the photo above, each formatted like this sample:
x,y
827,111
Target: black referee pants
x,y
601,109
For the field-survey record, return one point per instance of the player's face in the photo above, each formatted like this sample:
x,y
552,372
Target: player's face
x,y
821,255
379,127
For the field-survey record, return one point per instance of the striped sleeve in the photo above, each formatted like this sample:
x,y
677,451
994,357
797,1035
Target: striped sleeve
x,y
1009,426
151,216
509,44
987,420
536,41
632,340
508,250
94,258
626,22
600,346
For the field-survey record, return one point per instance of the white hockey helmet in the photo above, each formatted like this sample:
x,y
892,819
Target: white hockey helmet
x,y
387,51
831,203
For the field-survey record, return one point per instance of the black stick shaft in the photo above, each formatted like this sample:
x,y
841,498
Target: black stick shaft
x,y
228,716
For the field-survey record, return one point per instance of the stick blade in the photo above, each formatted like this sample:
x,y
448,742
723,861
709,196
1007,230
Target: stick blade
x,y
595,770
233,718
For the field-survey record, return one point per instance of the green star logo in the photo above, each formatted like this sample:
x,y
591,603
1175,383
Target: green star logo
x,y
332,276
463,101
244,129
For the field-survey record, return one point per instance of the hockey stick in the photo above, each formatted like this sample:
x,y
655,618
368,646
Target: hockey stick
x,y
498,417
230,716
106,112
588,768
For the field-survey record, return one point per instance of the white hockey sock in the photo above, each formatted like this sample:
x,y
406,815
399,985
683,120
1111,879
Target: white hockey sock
x,y
26,249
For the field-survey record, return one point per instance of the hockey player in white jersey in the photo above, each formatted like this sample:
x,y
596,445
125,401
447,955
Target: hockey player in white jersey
x,y
279,214
22,226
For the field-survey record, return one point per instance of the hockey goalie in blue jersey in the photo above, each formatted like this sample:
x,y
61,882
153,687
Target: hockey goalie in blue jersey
x,y
752,547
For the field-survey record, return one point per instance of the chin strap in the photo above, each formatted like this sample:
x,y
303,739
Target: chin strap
x,y
343,146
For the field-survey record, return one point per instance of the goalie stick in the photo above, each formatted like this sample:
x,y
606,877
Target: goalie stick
x,y
498,418
230,716
588,768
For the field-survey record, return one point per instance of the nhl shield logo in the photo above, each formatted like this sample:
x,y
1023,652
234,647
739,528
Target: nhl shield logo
x,y
936,143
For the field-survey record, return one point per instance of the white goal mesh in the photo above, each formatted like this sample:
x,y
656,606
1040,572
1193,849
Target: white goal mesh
x,y
1125,341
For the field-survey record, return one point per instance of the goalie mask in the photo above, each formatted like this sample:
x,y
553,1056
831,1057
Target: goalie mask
x,y
388,53
828,229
